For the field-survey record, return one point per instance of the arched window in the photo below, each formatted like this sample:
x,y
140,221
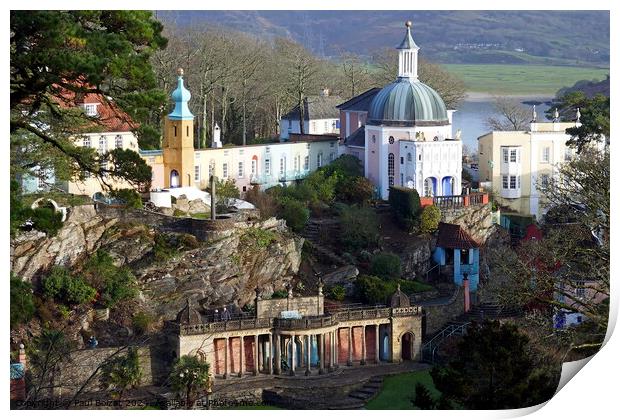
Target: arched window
x,y
118,142
429,187
254,164
319,160
86,141
391,169
408,157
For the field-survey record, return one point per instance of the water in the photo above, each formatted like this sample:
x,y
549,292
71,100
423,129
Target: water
x,y
471,117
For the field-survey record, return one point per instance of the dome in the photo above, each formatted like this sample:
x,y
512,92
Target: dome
x,y
407,102
399,299
181,96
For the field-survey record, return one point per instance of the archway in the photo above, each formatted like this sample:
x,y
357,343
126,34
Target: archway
x,y
447,185
174,178
430,187
406,352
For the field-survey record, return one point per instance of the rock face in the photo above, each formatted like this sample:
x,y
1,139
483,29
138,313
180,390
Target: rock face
x,y
415,257
476,220
80,234
223,272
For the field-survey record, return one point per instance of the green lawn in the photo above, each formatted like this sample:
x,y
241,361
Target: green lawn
x,y
398,391
517,79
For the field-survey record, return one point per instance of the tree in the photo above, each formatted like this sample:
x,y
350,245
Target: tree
x,y
595,123
189,377
429,219
122,372
62,285
512,115
58,57
22,303
355,72
45,354
295,213
385,265
405,206
423,398
225,193
495,369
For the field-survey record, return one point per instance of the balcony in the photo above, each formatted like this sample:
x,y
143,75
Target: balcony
x,y
278,177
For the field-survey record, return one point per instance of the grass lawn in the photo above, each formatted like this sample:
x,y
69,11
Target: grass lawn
x,y
517,79
398,391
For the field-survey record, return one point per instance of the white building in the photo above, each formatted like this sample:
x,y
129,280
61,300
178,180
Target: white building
x,y
320,117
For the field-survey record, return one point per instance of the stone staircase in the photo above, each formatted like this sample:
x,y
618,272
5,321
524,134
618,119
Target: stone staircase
x,y
312,234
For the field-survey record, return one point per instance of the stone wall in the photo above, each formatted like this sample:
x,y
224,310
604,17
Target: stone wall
x,y
81,364
306,306
438,315
476,220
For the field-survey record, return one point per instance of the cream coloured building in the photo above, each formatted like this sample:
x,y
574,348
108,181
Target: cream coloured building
x,y
516,164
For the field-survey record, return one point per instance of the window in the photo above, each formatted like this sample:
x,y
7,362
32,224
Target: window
x,y
464,256
513,155
267,149
331,157
513,182
391,169
306,163
505,152
319,160
408,157
240,172
580,290
331,144
391,140
374,138
544,180
505,182
225,170
267,167
326,127
90,109
518,181
402,179
103,144
253,169
118,142
197,173
86,142
175,131
428,187
568,154
545,154
402,160
313,126
282,165
420,157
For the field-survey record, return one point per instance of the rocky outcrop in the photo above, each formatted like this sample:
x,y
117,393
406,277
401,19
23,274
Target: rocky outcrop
x,y
476,220
82,232
415,257
222,272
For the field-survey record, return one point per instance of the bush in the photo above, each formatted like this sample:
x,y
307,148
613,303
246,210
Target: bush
x,y
336,292
279,294
130,197
163,248
357,190
22,302
120,287
225,193
256,238
385,265
263,201
46,219
429,219
375,290
344,166
423,398
295,214
405,206
142,322
359,227
61,285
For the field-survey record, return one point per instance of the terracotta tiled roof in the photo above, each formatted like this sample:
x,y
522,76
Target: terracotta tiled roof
x,y
454,237
110,117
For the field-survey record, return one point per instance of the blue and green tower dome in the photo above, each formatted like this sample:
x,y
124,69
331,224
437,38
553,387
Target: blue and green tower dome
x,y
180,97
407,101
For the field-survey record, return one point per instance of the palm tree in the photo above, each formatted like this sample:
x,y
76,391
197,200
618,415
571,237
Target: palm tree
x,y
189,376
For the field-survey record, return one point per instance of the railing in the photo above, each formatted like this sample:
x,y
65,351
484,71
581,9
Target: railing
x,y
222,326
449,201
305,323
456,201
276,177
430,348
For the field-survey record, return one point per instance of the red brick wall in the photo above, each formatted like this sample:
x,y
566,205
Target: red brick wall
x,y
370,343
234,352
218,356
343,345
356,339
248,343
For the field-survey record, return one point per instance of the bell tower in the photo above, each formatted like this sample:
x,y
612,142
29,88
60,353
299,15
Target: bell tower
x,y
408,55
178,144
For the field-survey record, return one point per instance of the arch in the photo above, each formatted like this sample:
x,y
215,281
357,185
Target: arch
x,y
430,187
254,168
202,357
447,185
406,342
174,179
385,346
409,159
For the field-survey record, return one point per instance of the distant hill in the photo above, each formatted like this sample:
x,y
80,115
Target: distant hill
x,y
466,37
588,87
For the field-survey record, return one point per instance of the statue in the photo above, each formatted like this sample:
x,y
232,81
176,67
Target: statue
x,y
458,134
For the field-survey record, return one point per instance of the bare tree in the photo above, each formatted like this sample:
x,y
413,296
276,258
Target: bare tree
x,y
512,115
356,73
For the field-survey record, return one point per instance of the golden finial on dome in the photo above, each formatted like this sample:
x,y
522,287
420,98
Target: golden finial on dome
x,y
180,71
408,24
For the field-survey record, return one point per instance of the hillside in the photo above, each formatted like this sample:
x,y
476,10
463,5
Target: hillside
x,y
467,37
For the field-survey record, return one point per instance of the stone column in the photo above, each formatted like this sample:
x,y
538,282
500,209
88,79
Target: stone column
x,y
292,372
225,357
377,342
241,356
363,361
350,358
271,354
256,362
337,347
321,344
277,349
308,353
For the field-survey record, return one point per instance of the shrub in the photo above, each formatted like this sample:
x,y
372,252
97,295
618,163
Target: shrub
x,y
345,166
129,196
385,265
142,322
61,285
336,292
263,201
357,190
46,219
375,290
163,249
279,294
423,398
429,219
359,227
256,238
120,287
22,302
295,214
405,206
225,193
